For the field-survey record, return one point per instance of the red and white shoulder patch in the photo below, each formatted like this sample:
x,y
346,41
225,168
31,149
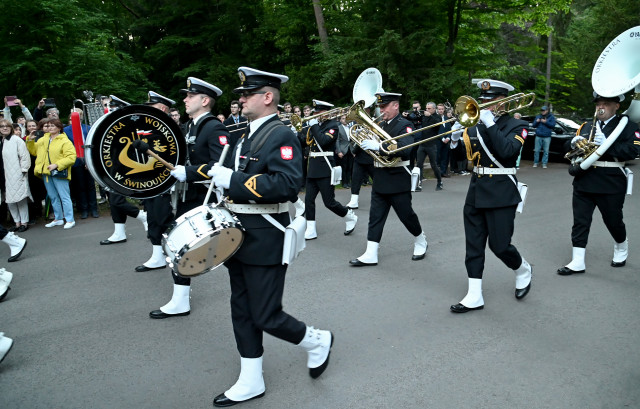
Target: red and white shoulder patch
x,y
223,140
332,131
637,134
409,129
524,133
286,152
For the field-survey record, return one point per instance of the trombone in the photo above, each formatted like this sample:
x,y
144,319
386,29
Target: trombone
x,y
467,112
297,122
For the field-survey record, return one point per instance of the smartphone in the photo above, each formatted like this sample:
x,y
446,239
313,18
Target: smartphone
x,y
11,101
49,102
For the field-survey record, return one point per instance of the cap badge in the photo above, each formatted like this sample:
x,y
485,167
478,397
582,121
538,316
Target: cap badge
x,y
485,85
243,77
379,99
188,83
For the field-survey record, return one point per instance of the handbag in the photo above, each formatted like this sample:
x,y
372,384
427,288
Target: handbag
x,y
336,171
60,174
55,173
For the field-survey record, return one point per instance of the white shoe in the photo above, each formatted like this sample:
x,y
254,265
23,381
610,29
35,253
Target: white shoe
x,y
420,246
318,344
5,280
535,165
119,234
353,203
142,216
250,383
310,233
16,245
69,225
54,223
5,345
620,254
158,258
351,220
370,256
178,305
474,299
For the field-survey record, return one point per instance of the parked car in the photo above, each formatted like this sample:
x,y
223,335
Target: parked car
x,y
564,130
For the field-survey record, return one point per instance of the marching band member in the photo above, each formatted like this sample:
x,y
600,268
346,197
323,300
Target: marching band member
x,y
207,137
493,196
159,210
267,171
391,186
603,185
321,139
118,205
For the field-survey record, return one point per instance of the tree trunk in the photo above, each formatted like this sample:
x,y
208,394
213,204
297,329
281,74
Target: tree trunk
x,y
549,48
322,31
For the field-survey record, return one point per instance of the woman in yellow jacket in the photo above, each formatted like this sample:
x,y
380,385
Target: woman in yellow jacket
x,y
55,153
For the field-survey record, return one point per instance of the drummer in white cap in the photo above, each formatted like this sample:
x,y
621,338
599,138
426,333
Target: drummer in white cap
x,y
267,173
205,141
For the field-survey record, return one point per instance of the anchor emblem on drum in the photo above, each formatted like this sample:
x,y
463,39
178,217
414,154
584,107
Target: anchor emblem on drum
x,y
135,165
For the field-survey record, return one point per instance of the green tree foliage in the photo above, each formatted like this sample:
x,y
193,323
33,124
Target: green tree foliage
x,y
428,51
57,48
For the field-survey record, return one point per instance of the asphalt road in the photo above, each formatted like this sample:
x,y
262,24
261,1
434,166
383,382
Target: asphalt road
x,y
79,316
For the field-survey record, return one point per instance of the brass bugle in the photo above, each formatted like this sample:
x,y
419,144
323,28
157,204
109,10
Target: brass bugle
x,y
297,122
467,113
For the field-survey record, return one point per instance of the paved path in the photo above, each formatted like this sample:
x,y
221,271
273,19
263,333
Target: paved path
x,y
79,316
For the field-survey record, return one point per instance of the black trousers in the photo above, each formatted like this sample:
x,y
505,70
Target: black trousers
x,y
360,174
159,217
496,225
84,188
346,163
256,307
610,206
3,232
380,206
120,208
432,152
328,193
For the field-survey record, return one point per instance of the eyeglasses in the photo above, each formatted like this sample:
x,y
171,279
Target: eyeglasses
x,y
247,94
5,126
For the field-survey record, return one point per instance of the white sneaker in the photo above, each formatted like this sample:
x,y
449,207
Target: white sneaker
x,y
544,166
5,345
69,225
54,223
535,165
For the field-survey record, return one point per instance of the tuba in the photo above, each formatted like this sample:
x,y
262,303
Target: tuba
x,y
615,72
366,128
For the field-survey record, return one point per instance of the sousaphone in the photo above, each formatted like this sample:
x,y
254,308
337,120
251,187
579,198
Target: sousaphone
x,y
118,167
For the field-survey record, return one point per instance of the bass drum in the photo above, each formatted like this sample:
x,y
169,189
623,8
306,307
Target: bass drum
x,y
118,167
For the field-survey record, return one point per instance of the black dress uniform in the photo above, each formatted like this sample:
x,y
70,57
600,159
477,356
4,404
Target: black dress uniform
x,y
322,139
493,197
490,205
392,187
603,185
267,171
205,142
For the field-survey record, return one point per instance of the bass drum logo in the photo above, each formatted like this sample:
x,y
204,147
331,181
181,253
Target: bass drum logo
x,y
119,167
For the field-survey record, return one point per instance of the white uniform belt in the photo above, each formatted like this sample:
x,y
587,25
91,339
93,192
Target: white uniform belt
x,y
250,208
494,171
604,164
377,164
315,154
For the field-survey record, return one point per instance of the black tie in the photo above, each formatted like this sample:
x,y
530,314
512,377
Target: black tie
x,y
601,125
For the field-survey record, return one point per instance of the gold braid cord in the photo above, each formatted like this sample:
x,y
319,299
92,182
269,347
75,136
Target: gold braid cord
x,y
309,139
472,156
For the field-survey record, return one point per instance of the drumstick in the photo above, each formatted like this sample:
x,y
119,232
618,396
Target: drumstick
x,y
221,162
164,162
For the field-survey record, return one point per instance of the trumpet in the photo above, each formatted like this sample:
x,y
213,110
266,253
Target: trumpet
x,y
467,113
334,113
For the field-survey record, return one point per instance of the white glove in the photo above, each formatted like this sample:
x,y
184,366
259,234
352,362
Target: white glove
x,y
220,175
486,117
312,122
456,126
179,173
575,140
599,136
370,145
